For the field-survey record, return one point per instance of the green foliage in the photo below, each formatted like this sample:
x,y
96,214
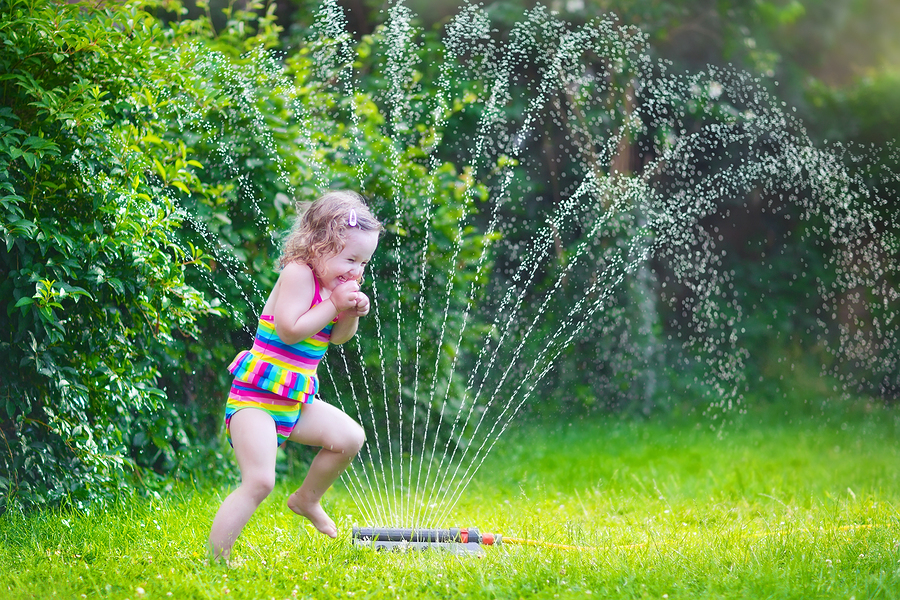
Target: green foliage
x,y
93,274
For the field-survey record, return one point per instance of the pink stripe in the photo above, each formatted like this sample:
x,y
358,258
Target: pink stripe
x,y
262,396
307,362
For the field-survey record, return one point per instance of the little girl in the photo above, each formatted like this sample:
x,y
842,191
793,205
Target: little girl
x,y
316,300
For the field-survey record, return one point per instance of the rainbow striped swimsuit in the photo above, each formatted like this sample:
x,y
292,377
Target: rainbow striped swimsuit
x,y
276,377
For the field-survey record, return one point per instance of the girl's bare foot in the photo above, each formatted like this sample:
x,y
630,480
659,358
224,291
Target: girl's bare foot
x,y
313,511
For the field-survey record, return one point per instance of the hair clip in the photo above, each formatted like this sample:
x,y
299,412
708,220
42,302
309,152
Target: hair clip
x,y
351,221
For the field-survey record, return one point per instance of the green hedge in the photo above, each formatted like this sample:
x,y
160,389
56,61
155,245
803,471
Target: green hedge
x,y
91,270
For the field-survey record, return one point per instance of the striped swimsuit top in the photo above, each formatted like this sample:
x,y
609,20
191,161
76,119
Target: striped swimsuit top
x,y
288,370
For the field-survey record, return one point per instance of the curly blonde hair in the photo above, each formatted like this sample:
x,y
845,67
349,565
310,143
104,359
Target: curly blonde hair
x,y
320,230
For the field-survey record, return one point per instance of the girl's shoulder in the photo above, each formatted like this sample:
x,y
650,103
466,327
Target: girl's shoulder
x,y
297,276
296,285
297,269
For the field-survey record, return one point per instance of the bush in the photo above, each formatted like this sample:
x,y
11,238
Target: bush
x,y
93,273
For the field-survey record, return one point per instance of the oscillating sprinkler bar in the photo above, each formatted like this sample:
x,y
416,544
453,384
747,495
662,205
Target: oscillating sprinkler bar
x,y
458,540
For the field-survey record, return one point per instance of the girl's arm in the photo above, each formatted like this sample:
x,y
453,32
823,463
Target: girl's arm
x,y
295,319
345,328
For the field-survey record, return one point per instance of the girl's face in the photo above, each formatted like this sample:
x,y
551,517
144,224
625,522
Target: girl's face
x,y
349,263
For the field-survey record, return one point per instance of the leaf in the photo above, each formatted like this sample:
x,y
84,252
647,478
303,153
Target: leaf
x,y
22,226
180,185
160,169
116,284
75,291
24,301
39,143
30,159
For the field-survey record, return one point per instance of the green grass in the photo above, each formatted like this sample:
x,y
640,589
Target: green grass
x,y
768,506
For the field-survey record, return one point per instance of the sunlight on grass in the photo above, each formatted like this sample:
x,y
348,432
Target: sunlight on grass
x,y
784,507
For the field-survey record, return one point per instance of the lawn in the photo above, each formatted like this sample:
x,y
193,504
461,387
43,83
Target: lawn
x,y
768,505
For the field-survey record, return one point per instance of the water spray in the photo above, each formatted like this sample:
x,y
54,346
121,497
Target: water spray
x,y
457,540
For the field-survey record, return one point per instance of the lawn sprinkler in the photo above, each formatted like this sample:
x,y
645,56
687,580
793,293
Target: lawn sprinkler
x,y
456,540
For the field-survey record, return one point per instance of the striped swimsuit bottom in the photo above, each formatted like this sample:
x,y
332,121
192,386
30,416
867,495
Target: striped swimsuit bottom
x,y
275,377
284,411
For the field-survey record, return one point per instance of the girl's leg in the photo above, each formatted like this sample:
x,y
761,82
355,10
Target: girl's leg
x,y
255,448
341,439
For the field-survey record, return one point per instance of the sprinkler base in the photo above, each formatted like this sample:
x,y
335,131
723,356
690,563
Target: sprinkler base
x,y
458,548
456,540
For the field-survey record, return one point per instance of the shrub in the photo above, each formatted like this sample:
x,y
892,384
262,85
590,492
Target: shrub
x,y
93,273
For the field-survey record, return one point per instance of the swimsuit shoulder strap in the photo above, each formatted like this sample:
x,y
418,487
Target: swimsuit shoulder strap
x,y
317,295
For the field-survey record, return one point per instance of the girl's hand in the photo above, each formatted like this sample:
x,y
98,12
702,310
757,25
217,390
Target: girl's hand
x,y
362,305
345,296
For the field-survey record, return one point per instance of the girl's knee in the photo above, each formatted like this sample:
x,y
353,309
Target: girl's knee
x,y
350,441
357,439
259,486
